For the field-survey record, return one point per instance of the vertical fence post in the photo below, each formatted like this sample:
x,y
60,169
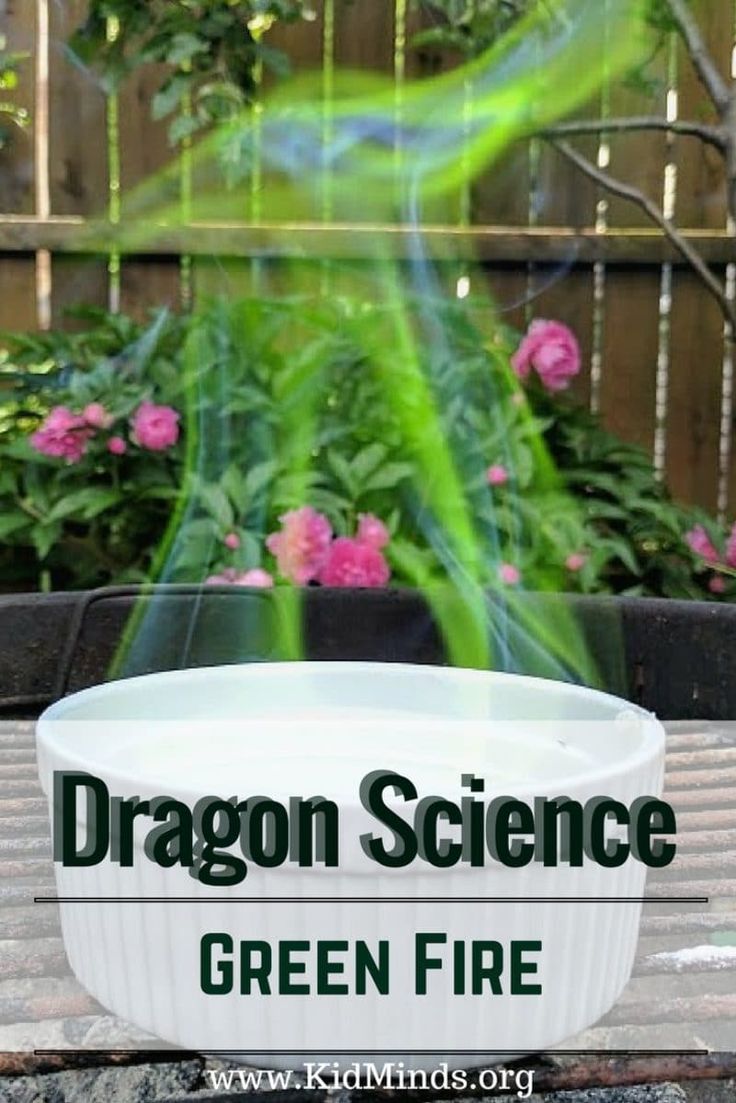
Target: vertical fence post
x,y
41,134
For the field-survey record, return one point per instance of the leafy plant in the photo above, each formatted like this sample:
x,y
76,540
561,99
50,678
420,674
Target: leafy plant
x,y
213,50
288,403
640,545
98,520
469,26
10,114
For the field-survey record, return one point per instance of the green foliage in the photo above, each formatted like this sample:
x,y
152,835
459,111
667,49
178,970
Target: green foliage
x,y
10,114
469,26
286,404
213,48
639,546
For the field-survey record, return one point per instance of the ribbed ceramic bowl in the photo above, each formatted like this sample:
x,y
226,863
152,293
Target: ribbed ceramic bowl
x,y
285,730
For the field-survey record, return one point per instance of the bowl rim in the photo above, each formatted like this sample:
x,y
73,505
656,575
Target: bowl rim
x,y
651,744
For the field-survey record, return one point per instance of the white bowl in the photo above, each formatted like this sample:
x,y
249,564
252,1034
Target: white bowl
x,y
318,728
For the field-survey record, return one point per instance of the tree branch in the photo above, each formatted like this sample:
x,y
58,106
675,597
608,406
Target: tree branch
x,y
731,158
713,135
705,66
683,246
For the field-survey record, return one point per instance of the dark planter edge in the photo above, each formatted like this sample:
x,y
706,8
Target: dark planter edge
x,y
676,658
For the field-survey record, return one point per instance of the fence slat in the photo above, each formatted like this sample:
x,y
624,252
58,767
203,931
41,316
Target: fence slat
x,y
364,35
639,158
364,40
78,159
701,186
564,195
509,289
17,292
17,172
301,42
77,282
144,150
144,143
628,385
693,421
149,283
77,122
500,196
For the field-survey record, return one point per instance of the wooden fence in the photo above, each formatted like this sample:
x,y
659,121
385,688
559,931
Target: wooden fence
x,y
550,245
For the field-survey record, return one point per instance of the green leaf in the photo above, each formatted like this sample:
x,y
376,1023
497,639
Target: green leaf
x,y
389,476
368,459
168,98
183,47
233,484
183,127
332,504
44,537
160,493
12,522
86,504
343,471
625,553
21,450
275,60
215,501
259,477
202,526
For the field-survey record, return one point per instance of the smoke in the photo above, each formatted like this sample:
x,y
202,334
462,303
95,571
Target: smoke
x,y
361,155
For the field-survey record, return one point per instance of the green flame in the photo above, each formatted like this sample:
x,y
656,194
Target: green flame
x,y
384,157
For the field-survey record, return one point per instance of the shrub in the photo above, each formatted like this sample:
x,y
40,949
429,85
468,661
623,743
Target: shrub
x,y
413,419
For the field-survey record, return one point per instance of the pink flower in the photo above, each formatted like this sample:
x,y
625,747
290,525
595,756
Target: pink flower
x,y
155,427
97,416
717,584
302,546
552,350
257,578
699,542
509,574
576,561
731,548
63,435
117,446
354,563
497,475
372,531
232,541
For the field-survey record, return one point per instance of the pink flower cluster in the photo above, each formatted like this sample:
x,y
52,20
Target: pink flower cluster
x,y
66,435
63,435
700,542
306,551
552,350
